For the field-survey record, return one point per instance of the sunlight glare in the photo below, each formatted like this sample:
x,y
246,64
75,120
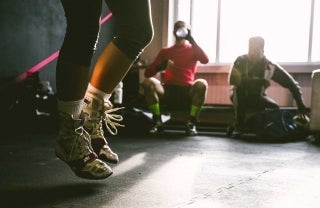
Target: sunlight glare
x,y
130,163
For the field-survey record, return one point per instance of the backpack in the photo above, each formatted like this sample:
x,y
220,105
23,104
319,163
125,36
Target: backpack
x,y
273,124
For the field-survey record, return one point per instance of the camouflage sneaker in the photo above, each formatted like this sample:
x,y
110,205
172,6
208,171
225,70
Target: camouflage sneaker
x,y
73,147
102,112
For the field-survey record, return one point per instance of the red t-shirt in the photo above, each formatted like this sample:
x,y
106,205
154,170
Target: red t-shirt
x,y
184,58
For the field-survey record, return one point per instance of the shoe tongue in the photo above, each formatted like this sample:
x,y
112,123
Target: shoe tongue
x,y
97,105
92,105
107,105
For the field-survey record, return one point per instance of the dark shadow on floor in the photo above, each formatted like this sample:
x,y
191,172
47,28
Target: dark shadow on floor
x,y
44,195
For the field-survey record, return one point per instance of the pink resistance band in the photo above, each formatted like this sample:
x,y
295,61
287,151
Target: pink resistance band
x,y
42,63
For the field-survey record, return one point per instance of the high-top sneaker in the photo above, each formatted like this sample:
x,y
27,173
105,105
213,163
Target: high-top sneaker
x,y
73,147
100,112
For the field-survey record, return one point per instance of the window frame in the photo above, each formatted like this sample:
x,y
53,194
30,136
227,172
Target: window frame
x,y
309,64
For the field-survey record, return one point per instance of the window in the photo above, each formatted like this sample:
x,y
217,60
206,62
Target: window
x,y
315,43
291,28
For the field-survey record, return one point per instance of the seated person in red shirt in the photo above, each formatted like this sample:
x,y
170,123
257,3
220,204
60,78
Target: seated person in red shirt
x,y
179,88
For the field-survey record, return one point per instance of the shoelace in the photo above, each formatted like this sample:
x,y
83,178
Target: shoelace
x,y
98,130
82,134
112,120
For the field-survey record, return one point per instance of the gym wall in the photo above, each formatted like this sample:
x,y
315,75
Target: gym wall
x,y
31,31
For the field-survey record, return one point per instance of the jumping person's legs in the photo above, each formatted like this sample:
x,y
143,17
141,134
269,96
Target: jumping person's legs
x,y
73,143
134,32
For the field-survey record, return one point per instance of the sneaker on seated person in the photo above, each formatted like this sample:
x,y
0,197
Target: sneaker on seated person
x,y
191,129
157,125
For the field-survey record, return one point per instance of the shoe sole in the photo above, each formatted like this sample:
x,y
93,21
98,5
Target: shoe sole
x,y
81,174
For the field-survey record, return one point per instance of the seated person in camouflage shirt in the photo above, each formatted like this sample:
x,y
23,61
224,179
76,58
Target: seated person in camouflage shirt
x,y
250,75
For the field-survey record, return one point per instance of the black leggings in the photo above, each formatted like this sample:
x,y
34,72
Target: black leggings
x,y
133,22
254,103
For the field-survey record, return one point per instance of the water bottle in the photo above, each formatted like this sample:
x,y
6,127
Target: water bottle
x,y
118,93
182,32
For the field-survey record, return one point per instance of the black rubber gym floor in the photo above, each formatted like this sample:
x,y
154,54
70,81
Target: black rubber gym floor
x,y
166,170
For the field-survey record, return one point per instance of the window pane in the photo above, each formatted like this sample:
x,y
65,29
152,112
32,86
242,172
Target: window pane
x,y
183,10
316,33
285,28
283,23
204,25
